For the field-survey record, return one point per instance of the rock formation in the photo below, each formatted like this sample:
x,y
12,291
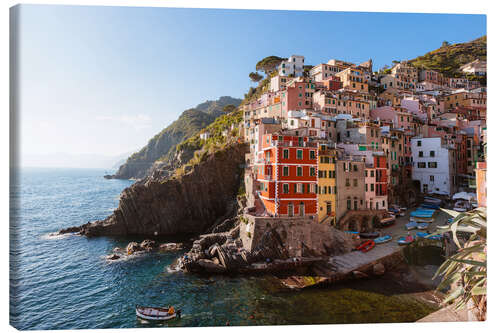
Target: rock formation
x,y
190,204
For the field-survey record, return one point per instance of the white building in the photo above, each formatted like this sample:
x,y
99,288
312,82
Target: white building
x,y
476,67
279,82
204,135
293,66
433,165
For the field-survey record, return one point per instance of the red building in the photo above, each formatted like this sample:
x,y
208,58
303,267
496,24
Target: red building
x,y
287,173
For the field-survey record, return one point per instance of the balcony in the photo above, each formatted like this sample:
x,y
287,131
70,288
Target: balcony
x,y
275,143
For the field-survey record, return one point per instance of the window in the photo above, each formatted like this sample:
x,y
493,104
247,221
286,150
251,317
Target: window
x,y
285,154
432,153
299,171
355,182
355,167
299,154
347,182
421,165
348,204
285,171
371,173
371,188
419,143
312,172
431,178
312,155
295,188
285,188
420,154
432,165
366,187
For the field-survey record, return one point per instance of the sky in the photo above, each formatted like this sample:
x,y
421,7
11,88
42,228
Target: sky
x,y
100,81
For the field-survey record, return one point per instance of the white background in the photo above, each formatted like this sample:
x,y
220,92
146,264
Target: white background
x,y
421,6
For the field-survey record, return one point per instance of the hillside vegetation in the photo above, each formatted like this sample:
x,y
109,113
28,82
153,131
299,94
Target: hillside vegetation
x,y
189,123
450,57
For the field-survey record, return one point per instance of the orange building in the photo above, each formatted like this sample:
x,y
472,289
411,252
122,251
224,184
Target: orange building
x,y
287,173
481,184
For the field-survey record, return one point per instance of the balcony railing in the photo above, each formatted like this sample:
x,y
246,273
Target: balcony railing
x,y
275,143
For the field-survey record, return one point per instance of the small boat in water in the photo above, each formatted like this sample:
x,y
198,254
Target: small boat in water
x,y
369,234
366,246
153,313
411,225
422,226
383,239
405,240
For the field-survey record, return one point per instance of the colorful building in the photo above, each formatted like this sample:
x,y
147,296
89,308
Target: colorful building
x,y
326,185
286,171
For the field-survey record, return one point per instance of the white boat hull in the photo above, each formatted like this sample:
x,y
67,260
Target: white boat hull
x,y
159,317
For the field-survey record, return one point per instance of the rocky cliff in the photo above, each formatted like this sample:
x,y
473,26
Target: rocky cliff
x,y
191,203
188,124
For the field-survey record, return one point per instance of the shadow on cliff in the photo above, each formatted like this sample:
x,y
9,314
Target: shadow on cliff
x,y
188,204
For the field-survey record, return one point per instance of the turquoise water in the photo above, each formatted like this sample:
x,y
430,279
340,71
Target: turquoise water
x,y
64,282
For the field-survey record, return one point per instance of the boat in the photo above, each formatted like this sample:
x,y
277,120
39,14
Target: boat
x,y
411,225
155,313
461,206
428,236
423,212
433,200
421,220
450,220
366,246
422,226
387,220
429,205
382,239
374,234
405,240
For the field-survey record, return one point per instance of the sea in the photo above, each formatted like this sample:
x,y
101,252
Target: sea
x,y
65,282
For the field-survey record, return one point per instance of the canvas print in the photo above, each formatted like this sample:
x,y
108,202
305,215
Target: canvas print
x,y
180,167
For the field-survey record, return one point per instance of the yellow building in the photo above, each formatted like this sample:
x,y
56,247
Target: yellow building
x,y
326,185
353,79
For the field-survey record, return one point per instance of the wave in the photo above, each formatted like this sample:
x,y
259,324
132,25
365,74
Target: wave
x,y
56,235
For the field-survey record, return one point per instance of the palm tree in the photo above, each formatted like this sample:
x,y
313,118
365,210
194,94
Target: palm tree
x,y
464,273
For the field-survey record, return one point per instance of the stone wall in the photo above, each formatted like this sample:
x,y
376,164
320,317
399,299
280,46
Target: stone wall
x,y
301,236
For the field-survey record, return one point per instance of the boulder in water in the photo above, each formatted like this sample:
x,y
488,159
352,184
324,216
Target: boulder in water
x,y
211,267
170,246
133,247
148,245
113,257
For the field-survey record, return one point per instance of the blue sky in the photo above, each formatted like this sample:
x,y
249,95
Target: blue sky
x,y
103,80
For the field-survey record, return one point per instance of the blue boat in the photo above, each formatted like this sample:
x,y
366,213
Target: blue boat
x,y
383,239
422,226
352,232
428,236
429,205
425,213
450,220
411,225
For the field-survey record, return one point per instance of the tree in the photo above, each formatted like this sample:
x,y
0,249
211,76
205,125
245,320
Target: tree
x,y
268,64
255,77
229,108
445,44
464,273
